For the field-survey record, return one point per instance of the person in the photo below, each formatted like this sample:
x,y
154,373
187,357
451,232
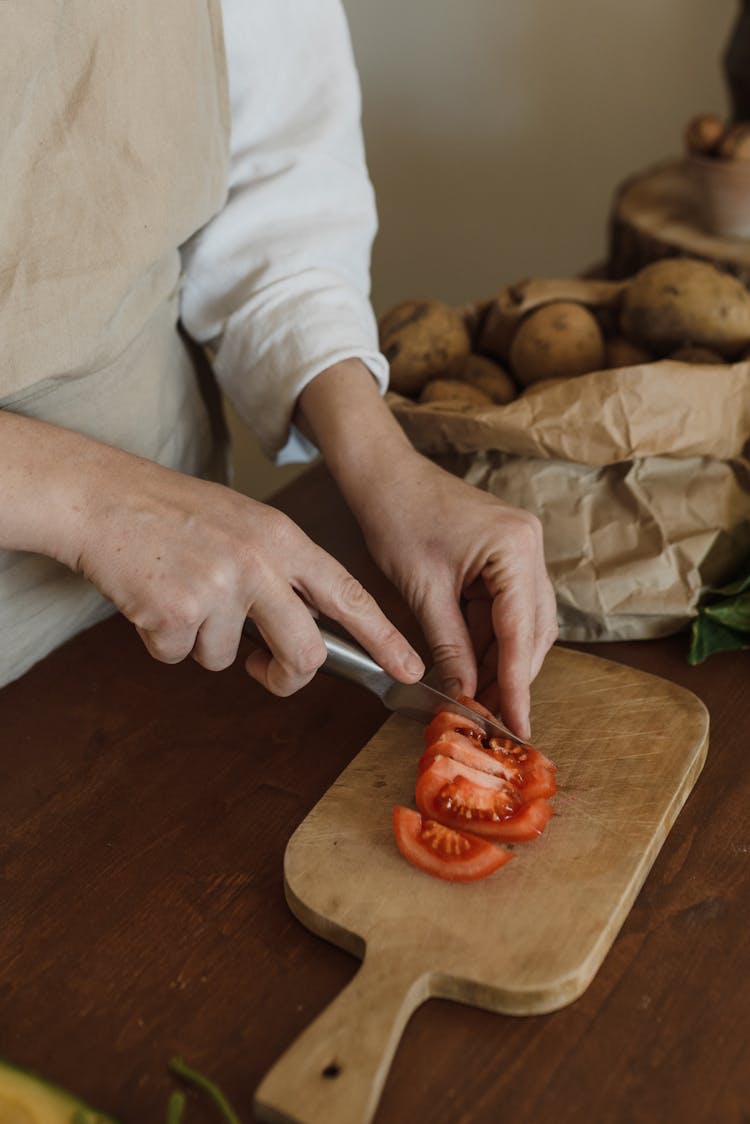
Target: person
x,y
179,171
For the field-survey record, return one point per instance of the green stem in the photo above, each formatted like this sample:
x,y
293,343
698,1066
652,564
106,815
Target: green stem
x,y
176,1107
183,1070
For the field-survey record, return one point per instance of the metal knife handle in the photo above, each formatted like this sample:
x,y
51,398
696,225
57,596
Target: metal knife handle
x,y
344,659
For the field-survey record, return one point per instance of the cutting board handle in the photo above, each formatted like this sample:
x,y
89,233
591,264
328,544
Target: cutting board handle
x,y
334,1072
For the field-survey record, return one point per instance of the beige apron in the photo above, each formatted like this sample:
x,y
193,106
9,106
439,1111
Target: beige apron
x,y
114,143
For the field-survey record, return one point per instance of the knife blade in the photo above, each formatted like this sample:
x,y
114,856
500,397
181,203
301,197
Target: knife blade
x,y
418,701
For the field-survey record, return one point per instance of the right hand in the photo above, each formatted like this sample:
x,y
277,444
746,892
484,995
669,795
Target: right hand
x,y
187,561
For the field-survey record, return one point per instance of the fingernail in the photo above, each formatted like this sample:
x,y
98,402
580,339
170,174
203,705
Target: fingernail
x,y
413,665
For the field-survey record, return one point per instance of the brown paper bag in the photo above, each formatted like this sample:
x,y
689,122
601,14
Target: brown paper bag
x,y
640,475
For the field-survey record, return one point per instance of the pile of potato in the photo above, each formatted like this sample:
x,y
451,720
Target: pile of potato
x,y
682,309
707,134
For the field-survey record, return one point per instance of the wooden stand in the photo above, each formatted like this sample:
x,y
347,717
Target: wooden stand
x,y
654,215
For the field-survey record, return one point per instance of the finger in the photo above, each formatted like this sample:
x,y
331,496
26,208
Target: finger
x,y
342,598
218,640
296,648
513,616
450,643
545,633
169,645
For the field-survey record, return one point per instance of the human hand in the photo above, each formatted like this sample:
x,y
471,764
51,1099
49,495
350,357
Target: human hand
x,y
439,540
187,561
442,541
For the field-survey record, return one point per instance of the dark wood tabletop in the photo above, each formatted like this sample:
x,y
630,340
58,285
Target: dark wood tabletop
x,y
144,813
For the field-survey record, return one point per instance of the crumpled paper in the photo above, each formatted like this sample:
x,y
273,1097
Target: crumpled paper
x,y
640,476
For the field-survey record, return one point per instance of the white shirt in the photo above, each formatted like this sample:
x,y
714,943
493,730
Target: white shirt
x,y
278,283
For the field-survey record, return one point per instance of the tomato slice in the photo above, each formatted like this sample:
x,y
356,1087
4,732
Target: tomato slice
x,y
470,752
453,855
447,722
477,706
522,765
464,798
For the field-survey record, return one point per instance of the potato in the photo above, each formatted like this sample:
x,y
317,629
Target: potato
x,y
560,339
483,373
703,133
474,316
496,330
696,355
619,352
455,392
735,144
678,301
422,339
543,384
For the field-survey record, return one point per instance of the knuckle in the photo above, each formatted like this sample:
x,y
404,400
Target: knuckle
x,y
533,521
281,529
283,685
183,612
526,537
309,658
220,576
445,652
353,595
217,661
550,633
173,609
164,649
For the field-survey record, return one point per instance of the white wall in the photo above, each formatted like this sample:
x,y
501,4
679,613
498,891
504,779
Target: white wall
x,y
498,130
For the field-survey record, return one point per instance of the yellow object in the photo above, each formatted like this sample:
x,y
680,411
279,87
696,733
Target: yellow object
x,y
28,1099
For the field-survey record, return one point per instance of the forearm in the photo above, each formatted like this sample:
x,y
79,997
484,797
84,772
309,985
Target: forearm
x,y
362,443
48,476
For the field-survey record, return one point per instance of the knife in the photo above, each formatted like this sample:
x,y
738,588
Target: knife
x,y
419,700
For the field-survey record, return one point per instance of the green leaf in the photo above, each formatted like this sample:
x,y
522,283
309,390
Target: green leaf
x,y
735,587
723,620
733,612
710,636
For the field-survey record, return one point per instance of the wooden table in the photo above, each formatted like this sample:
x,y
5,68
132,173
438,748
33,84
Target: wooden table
x,y
145,810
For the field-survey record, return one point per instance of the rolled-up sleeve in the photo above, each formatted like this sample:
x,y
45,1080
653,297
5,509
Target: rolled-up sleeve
x,y
277,284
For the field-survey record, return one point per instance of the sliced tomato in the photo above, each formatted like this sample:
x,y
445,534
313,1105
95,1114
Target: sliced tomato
x,y
464,798
470,752
453,855
495,798
477,706
528,823
536,771
447,722
538,781
520,764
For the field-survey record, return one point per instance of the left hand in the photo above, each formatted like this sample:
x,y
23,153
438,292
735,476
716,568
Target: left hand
x,y
442,541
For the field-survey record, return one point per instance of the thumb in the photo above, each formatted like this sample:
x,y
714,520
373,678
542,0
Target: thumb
x,y
449,641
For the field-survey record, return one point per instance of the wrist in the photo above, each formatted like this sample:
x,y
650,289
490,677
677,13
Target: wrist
x,y
344,413
49,475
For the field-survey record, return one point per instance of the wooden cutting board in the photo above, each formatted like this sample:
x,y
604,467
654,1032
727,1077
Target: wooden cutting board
x,y
529,939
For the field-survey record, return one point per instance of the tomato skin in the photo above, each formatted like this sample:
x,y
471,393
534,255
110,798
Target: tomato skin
x,y
472,704
468,800
528,823
523,765
538,781
447,722
454,856
531,772
473,790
